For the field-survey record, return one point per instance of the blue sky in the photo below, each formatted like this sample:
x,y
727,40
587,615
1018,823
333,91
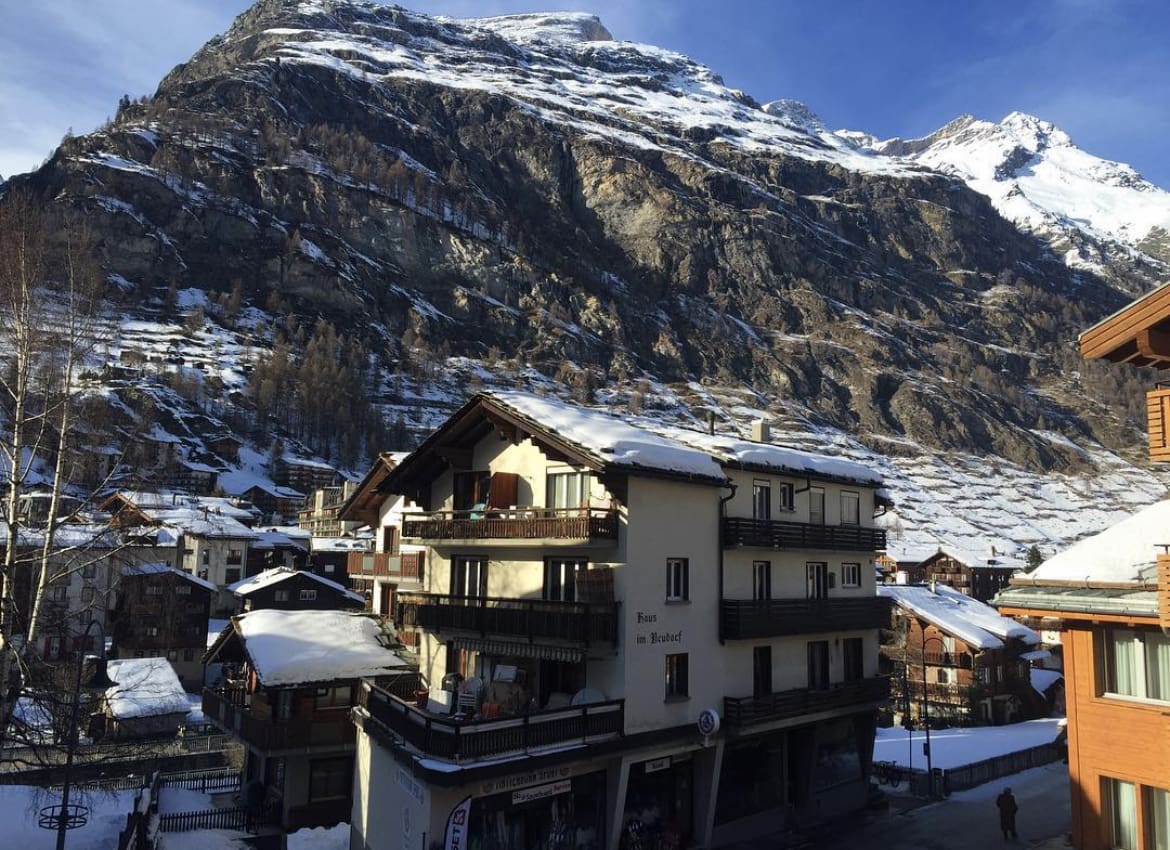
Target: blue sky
x,y
1099,69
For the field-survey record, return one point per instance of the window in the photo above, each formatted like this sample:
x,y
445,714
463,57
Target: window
x,y
677,686
235,557
390,539
330,778
1158,805
88,570
818,665
816,506
183,590
851,575
1137,664
983,675
231,575
818,581
308,595
761,671
188,655
280,596
471,489
87,595
151,631
785,497
761,500
154,590
560,578
850,508
567,490
338,697
853,658
944,676
206,557
678,580
59,593
761,580
172,655
1120,799
468,576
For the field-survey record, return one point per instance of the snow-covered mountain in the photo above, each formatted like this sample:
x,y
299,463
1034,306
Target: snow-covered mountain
x,y
1093,212
524,200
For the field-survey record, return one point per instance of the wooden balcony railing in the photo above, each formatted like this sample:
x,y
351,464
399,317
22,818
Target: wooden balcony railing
x,y
949,659
1158,419
514,524
454,740
781,534
745,711
748,618
578,622
407,566
227,709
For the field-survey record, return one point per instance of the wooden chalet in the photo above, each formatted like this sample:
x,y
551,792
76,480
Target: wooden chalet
x,y
294,678
1109,595
295,590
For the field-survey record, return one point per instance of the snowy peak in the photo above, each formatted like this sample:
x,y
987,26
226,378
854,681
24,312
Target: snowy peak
x,y
1090,210
797,115
556,27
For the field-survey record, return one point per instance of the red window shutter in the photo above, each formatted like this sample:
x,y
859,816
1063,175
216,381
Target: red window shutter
x,y
502,489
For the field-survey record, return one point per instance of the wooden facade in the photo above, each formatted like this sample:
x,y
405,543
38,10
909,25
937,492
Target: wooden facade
x,y
163,613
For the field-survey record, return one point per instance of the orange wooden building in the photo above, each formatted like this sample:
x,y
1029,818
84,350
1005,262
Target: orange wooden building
x,y
1110,597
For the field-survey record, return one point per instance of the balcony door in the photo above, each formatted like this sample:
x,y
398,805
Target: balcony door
x,y
761,500
818,581
816,506
818,665
761,671
560,578
468,576
761,580
853,659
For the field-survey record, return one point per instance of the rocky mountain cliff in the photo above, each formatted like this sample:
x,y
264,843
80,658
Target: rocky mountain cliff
x,y
527,192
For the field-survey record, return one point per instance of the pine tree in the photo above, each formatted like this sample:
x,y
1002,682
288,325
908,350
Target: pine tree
x,y
1034,558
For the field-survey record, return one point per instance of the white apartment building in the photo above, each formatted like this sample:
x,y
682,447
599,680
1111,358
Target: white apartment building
x,y
658,633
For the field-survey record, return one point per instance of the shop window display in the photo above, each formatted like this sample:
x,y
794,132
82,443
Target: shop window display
x,y
567,815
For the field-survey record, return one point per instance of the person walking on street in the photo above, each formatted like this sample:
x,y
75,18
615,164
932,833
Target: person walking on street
x,y
1006,803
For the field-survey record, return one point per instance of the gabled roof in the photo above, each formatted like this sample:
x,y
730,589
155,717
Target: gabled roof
x,y
975,623
146,687
277,575
288,648
1138,333
165,569
363,503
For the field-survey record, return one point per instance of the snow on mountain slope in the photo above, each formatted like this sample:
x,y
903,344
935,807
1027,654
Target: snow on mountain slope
x,y
1038,179
568,69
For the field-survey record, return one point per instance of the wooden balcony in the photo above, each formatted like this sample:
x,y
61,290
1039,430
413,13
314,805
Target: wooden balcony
x,y
1164,591
454,740
747,711
781,534
1158,418
407,566
228,709
583,623
571,524
949,659
744,619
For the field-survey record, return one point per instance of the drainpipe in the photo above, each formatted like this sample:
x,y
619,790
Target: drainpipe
x,y
723,500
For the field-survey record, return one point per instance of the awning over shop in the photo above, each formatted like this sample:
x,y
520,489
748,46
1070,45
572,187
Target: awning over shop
x,y
520,650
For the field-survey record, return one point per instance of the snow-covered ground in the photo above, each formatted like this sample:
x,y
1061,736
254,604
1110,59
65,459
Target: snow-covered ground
x,y
320,838
20,804
956,747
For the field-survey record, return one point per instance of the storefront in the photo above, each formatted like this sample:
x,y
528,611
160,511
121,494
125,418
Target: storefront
x,y
659,803
566,814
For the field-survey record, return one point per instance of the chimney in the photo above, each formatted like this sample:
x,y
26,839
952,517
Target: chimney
x,y
761,433
710,421
901,577
934,585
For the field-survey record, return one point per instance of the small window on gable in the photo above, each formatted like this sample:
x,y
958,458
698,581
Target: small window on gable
x,y
281,595
308,595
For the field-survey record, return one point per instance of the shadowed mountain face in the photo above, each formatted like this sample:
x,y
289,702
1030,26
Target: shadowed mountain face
x,y
529,187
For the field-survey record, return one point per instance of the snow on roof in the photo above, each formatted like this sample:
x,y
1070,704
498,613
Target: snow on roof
x,y
733,451
146,687
976,623
272,539
1043,679
215,628
156,569
278,574
340,544
1125,552
293,532
610,440
298,647
202,523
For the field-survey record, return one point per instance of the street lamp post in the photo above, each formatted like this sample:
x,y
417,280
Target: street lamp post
x,y
63,817
926,705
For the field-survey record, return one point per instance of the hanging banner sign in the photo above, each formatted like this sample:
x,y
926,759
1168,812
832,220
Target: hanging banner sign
x,y
457,825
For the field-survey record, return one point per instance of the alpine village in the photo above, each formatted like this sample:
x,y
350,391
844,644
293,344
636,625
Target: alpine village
x,y
423,433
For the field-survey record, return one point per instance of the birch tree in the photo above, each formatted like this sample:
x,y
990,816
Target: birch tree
x,y
49,286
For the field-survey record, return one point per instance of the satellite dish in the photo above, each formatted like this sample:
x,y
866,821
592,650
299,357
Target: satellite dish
x,y
587,696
